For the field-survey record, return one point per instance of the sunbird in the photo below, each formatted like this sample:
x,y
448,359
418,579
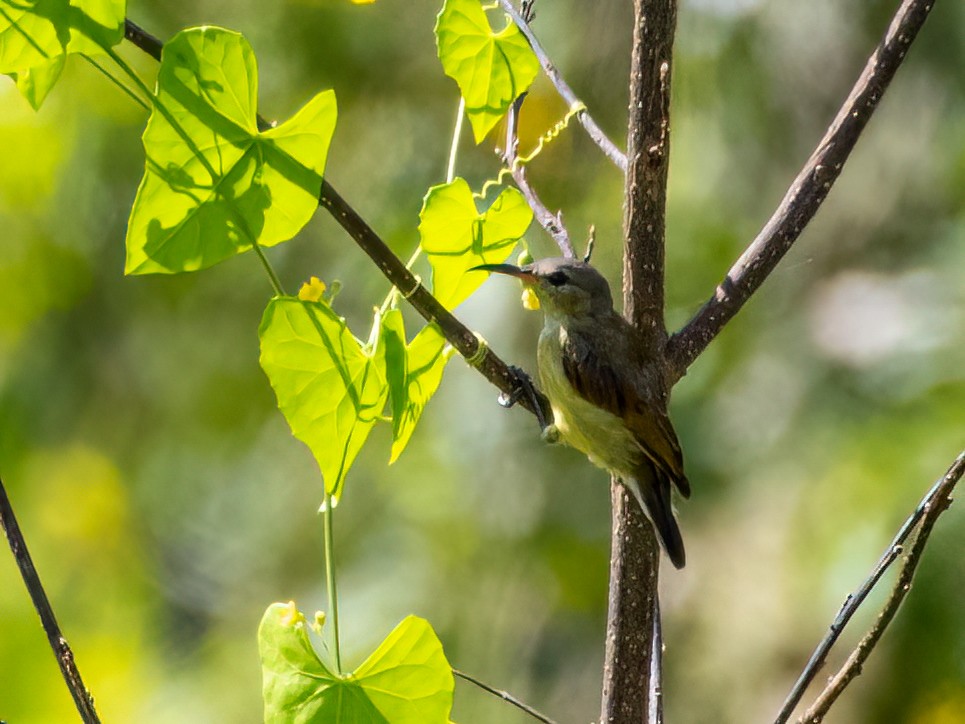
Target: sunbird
x,y
608,396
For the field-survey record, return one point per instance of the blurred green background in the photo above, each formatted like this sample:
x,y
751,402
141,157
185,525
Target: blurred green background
x,y
167,505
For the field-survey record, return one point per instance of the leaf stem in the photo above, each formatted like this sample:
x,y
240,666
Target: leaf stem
x,y
116,81
454,147
330,577
269,269
450,175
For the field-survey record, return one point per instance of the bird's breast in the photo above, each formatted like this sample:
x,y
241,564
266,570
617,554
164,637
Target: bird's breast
x,y
599,434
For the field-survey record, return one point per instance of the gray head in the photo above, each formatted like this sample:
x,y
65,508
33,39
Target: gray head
x,y
563,286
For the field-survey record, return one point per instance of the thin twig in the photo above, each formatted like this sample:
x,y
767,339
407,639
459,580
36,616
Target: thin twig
x,y
931,506
553,223
62,651
476,352
806,193
566,93
505,696
656,668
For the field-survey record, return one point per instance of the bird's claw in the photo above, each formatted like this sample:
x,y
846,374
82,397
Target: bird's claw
x,y
523,385
550,434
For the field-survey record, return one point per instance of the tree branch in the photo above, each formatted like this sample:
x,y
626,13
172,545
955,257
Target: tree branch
x,y
505,696
649,153
806,193
566,93
631,675
62,651
632,669
935,502
506,378
512,381
553,223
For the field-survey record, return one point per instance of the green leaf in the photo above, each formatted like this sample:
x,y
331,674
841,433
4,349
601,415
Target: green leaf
x,y
413,371
37,35
329,389
406,680
213,184
492,69
35,83
456,237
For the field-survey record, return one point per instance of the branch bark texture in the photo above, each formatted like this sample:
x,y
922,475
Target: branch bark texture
x,y
648,144
631,673
806,194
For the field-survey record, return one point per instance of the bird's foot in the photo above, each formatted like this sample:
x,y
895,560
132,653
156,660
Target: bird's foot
x,y
523,385
550,434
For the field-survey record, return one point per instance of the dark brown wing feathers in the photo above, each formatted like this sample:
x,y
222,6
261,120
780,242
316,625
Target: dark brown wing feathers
x,y
641,409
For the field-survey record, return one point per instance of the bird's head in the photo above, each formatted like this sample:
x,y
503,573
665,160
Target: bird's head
x,y
564,287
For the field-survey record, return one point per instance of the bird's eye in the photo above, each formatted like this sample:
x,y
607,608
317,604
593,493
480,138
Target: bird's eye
x,y
557,279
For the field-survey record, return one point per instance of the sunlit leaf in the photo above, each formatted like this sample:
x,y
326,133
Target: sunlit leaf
x,y
413,371
37,35
492,69
406,680
329,389
213,183
456,237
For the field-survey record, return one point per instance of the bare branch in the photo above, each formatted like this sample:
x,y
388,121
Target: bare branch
x,y
631,676
648,154
806,193
511,381
632,666
62,651
553,223
935,502
566,93
505,696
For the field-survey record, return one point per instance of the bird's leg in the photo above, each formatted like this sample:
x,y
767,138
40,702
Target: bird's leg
x,y
523,385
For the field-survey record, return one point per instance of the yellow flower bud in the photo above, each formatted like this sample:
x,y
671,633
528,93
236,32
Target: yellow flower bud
x,y
312,290
530,300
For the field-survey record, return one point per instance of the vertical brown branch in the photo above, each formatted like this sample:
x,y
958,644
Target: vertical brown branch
x,y
648,154
631,673
630,685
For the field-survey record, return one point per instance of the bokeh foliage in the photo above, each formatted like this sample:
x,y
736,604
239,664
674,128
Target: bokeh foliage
x,y
166,503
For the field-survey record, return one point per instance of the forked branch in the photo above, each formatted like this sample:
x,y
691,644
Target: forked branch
x,y
919,524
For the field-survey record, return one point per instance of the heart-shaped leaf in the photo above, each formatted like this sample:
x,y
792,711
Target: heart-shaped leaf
x,y
457,237
37,35
413,371
213,184
406,680
492,69
329,389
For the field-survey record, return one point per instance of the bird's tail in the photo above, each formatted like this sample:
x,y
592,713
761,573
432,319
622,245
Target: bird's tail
x,y
653,494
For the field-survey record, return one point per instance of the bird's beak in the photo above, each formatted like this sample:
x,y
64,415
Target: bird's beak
x,y
523,274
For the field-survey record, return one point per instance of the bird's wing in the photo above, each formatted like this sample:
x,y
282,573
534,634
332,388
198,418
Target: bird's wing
x,y
621,392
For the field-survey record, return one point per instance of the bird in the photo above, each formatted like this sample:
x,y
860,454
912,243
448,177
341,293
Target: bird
x,y
607,394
